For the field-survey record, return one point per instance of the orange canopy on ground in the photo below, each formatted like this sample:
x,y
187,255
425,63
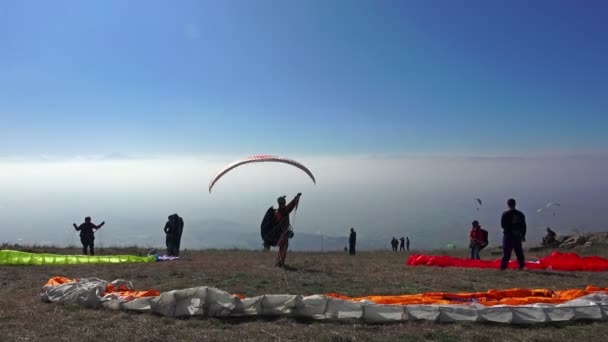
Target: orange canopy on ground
x,y
492,297
122,290
515,296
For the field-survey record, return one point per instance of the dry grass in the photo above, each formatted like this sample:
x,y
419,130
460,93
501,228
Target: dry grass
x,y
24,317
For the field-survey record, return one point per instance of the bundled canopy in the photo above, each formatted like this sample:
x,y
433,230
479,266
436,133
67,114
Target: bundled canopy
x,y
8,257
259,159
556,261
514,306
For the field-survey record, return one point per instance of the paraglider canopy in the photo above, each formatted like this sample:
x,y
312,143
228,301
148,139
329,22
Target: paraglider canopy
x,y
547,207
478,201
259,159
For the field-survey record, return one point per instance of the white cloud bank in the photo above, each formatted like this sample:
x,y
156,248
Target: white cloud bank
x,y
430,199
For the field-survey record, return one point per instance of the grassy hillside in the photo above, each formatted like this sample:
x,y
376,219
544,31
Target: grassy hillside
x,y
24,316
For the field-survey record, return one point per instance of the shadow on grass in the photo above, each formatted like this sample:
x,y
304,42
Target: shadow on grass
x,y
305,270
235,321
557,273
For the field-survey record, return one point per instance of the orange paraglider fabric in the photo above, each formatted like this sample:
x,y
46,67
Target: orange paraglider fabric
x,y
492,297
516,296
122,290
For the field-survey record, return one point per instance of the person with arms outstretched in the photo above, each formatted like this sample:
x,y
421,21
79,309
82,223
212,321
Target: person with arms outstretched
x,y
87,234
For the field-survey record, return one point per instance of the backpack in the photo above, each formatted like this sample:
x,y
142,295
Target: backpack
x,y
270,235
180,226
484,241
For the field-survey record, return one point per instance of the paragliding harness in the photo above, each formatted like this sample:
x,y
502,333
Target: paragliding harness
x,y
269,229
484,242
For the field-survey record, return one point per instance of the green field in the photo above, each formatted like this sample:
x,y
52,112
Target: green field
x,y
23,316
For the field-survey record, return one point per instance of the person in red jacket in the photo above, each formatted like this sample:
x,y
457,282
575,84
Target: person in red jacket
x,y
281,217
476,240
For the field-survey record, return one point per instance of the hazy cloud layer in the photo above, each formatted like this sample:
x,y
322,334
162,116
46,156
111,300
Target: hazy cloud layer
x,y
431,199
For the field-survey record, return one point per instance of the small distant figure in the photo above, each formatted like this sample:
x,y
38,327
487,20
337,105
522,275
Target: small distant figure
x,y
345,249
550,239
407,243
352,241
173,230
513,223
87,234
476,240
402,244
394,244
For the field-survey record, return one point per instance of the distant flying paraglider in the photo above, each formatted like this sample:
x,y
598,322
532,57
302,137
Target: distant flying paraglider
x,y
547,207
259,159
478,200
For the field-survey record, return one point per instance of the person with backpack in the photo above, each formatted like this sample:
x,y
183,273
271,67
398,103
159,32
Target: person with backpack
x,y
514,227
282,225
476,240
352,241
550,239
173,230
87,234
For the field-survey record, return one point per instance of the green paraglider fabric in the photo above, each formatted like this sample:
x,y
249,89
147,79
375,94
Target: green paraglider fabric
x,y
9,257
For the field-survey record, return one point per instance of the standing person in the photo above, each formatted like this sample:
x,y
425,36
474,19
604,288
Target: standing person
x,y
173,230
513,223
476,238
407,243
87,234
402,244
281,217
352,241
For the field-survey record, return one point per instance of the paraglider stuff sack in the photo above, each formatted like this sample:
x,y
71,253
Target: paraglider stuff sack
x,y
269,234
484,242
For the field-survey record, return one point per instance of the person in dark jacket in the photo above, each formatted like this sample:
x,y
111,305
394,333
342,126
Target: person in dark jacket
x,y
402,244
352,241
395,244
281,218
513,223
173,230
549,239
87,234
407,243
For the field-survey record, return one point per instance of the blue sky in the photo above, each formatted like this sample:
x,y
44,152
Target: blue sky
x,y
306,77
